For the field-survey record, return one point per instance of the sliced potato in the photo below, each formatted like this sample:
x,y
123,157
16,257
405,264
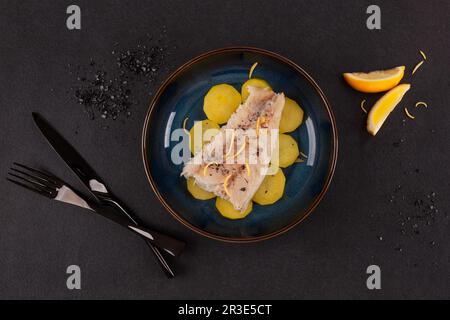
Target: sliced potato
x,y
255,82
227,210
197,192
288,150
271,189
196,144
220,102
291,117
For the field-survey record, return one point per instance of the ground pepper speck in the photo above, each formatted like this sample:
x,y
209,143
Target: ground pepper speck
x,y
107,90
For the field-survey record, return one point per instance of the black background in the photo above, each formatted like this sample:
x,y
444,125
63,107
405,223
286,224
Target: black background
x,y
358,223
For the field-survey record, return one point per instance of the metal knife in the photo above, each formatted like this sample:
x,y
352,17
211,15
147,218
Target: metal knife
x,y
97,187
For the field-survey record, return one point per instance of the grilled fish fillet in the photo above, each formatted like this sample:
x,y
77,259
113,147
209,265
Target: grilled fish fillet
x,y
233,164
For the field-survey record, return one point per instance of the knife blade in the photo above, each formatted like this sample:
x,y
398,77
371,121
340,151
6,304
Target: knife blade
x,y
72,158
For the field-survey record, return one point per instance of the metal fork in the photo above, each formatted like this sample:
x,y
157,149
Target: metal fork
x,y
54,188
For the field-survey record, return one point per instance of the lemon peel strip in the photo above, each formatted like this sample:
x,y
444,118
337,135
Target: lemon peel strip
x,y
421,103
225,184
409,114
259,121
417,66
240,150
184,125
207,165
423,54
362,106
231,145
252,69
257,126
299,160
247,166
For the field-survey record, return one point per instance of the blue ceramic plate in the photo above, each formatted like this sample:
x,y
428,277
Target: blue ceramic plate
x,y
181,96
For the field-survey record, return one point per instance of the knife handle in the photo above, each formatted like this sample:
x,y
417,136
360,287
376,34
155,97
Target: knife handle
x,y
156,251
171,245
162,262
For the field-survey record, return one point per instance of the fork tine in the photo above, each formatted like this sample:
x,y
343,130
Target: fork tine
x,y
37,179
46,194
42,175
37,185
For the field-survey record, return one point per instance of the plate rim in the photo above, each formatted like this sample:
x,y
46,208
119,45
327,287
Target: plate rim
x,y
331,166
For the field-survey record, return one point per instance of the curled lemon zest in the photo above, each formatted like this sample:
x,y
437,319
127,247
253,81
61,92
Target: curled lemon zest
x,y
257,126
259,121
303,155
423,55
225,184
409,114
247,166
421,103
252,69
231,145
184,125
417,66
362,106
240,150
207,165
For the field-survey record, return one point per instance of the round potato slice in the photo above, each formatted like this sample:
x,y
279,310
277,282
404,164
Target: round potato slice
x,y
227,210
254,82
197,192
288,150
271,189
292,116
220,102
195,145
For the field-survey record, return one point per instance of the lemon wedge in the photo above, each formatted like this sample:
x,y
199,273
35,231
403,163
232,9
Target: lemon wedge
x,y
375,81
384,106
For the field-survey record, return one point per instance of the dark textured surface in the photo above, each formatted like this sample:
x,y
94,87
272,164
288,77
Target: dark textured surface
x,y
359,221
